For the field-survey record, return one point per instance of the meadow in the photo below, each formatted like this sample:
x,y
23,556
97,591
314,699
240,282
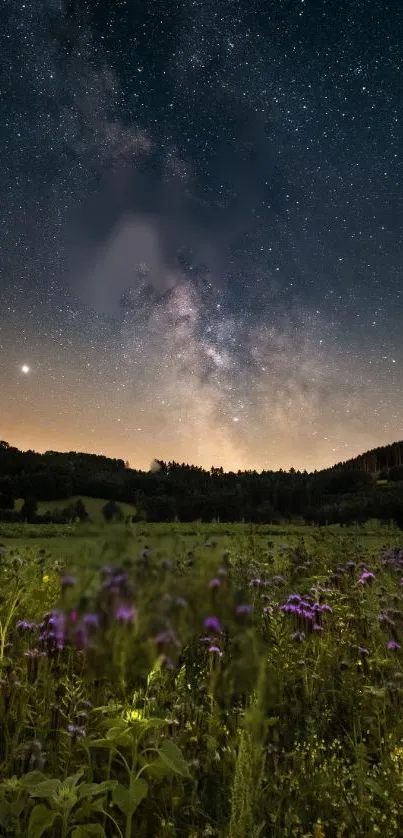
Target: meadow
x,y
201,680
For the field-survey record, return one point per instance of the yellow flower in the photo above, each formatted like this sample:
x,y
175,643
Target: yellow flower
x,y
45,578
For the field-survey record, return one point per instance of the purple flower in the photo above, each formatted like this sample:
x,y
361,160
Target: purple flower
x,y
180,602
75,731
214,583
298,636
316,627
91,620
393,645
244,608
67,581
163,638
366,576
215,650
126,614
80,637
254,583
294,598
384,619
213,623
25,625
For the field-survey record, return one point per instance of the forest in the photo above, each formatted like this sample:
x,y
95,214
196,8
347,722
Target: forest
x,y
369,486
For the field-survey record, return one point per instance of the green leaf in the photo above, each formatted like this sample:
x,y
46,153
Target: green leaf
x,y
100,743
32,779
88,808
116,726
375,787
40,820
71,782
119,735
138,791
89,830
121,798
48,788
92,789
157,769
172,756
129,799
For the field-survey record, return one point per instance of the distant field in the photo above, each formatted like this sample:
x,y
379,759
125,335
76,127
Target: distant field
x,y
65,541
92,505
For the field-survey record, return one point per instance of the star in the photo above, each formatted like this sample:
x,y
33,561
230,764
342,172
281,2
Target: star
x,y
25,369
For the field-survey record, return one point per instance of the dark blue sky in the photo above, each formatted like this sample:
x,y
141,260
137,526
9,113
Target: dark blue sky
x,y
201,229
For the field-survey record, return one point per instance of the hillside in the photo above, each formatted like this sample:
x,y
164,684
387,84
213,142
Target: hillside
x,y
348,492
378,461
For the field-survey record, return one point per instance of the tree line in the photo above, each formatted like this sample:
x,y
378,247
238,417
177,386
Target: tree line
x,y
349,492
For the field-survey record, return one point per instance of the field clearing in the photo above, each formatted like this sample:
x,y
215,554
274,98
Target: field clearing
x,y
169,539
195,681
92,505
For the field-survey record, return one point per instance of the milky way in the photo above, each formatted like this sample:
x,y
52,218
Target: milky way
x,y
201,230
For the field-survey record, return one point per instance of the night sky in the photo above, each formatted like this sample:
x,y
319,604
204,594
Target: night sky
x,y
201,229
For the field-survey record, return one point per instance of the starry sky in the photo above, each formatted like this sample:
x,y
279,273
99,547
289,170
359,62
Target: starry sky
x,y
201,229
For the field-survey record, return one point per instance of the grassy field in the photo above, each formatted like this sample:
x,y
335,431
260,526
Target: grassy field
x,y
92,505
182,681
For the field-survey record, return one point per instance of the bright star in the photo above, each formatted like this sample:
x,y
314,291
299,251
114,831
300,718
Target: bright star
x,y
25,369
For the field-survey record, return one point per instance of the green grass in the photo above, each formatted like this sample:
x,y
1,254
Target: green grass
x,y
272,728
92,505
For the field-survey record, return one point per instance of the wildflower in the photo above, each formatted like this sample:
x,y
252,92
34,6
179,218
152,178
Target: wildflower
x,y
215,650
243,608
67,582
393,645
298,636
180,602
366,576
126,614
166,564
32,656
384,619
80,638
57,622
45,578
25,625
76,731
91,620
167,637
215,583
317,627
213,623
294,598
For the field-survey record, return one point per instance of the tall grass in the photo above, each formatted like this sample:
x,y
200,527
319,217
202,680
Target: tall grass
x,y
225,692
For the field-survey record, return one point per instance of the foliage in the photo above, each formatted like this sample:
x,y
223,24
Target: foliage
x,y
222,692
171,491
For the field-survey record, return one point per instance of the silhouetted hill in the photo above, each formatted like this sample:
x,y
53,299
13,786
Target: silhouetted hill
x,y
378,461
347,492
